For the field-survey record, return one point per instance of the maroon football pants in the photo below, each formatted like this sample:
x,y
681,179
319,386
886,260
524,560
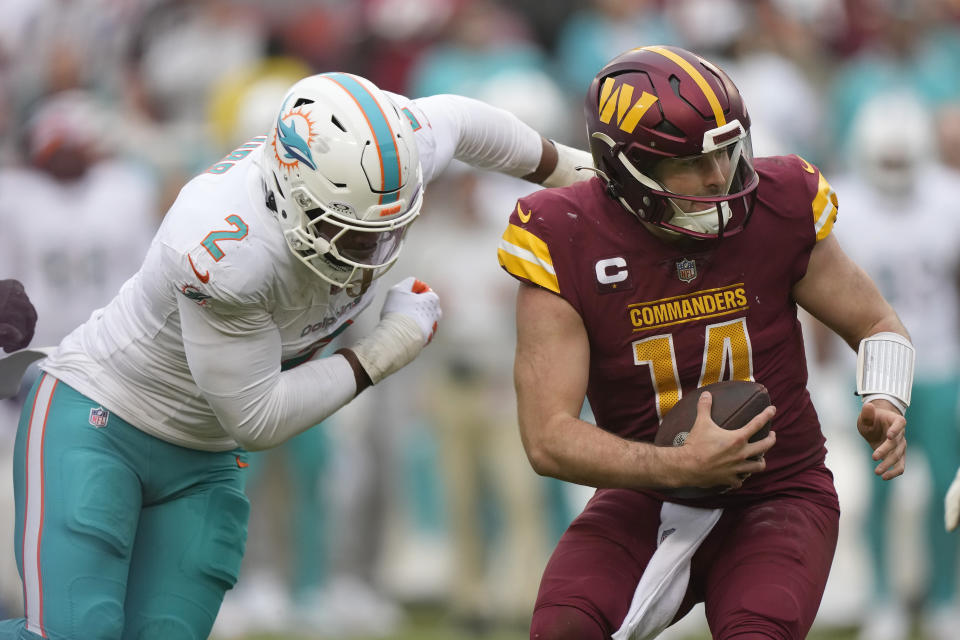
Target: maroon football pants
x,y
761,571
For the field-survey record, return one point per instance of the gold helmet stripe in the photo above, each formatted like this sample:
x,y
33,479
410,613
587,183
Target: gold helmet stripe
x,y
698,78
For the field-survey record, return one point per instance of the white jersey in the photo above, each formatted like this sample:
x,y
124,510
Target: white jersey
x,y
73,244
909,249
220,249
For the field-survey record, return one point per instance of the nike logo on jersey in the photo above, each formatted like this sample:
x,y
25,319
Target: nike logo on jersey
x,y
241,463
524,218
205,277
806,165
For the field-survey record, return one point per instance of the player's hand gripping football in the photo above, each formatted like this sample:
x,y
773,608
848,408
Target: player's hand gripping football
x,y
718,457
408,321
884,429
17,316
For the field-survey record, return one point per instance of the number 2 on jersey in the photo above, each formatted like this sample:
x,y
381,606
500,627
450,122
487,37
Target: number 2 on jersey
x,y
726,349
239,233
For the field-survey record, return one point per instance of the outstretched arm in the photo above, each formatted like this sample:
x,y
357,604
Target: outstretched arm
x,y
494,139
235,361
841,295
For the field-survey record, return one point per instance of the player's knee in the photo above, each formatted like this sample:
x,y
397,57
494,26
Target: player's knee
x,y
99,620
103,500
768,612
564,623
165,628
219,549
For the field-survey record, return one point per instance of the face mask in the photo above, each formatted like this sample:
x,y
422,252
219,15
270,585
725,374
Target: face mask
x,y
705,221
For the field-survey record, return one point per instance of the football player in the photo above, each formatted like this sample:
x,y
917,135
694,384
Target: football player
x,y
131,449
682,263
896,186
18,318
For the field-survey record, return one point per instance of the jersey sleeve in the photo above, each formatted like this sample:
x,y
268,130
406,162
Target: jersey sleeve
x,y
524,249
235,362
473,132
822,198
218,259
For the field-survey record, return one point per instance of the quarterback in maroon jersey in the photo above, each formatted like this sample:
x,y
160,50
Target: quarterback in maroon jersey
x,y
683,264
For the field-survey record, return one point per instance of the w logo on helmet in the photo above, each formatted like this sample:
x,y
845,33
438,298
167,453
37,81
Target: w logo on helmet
x,y
620,101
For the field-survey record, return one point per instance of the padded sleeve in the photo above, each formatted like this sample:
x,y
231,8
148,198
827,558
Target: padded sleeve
x,y
235,361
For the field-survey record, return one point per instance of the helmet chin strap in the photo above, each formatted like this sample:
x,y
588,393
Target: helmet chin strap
x,y
705,221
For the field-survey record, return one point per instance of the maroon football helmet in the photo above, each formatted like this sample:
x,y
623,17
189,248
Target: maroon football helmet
x,y
661,111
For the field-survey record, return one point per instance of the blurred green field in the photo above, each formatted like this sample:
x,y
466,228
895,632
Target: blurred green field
x,y
431,624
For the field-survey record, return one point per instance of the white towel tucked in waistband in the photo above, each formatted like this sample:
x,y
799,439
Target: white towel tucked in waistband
x,y
664,583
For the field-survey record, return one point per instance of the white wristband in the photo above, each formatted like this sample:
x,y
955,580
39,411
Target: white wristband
x,y
885,368
393,343
566,173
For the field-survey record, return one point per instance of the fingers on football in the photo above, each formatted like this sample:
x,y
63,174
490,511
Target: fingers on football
x,y
758,421
704,404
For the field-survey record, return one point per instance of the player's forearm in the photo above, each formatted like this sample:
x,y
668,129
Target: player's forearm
x,y
236,365
275,409
889,322
496,140
576,451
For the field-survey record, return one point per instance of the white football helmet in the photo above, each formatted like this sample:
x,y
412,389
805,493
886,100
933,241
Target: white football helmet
x,y
343,177
893,140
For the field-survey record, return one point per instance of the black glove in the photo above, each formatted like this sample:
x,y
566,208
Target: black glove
x,y
18,318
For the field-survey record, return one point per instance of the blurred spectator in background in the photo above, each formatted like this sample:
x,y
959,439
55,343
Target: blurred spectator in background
x,y
902,46
784,101
77,220
178,52
900,220
483,39
601,30
398,34
77,217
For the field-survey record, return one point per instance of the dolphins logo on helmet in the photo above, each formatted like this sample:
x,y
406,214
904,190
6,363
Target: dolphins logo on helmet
x,y
343,177
296,148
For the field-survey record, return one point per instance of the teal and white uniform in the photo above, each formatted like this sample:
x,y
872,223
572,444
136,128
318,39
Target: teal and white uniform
x,y
131,517
909,249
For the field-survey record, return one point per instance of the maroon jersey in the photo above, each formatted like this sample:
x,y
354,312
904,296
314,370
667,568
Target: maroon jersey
x,y
664,319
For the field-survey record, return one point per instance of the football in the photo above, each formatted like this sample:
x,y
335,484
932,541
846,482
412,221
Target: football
x,y
735,402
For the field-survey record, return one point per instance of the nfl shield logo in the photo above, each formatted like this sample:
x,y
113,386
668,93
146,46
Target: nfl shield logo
x,y
99,417
686,270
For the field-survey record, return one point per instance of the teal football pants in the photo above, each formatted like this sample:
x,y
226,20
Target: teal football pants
x,y
933,430
119,535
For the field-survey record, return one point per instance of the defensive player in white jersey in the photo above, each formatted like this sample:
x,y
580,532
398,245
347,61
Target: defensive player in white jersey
x,y
896,193
131,517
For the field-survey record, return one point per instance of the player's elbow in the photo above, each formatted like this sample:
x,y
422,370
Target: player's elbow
x,y
253,444
254,436
541,459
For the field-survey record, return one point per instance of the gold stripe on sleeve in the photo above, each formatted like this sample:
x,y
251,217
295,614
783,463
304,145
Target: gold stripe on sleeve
x,y
527,256
824,209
